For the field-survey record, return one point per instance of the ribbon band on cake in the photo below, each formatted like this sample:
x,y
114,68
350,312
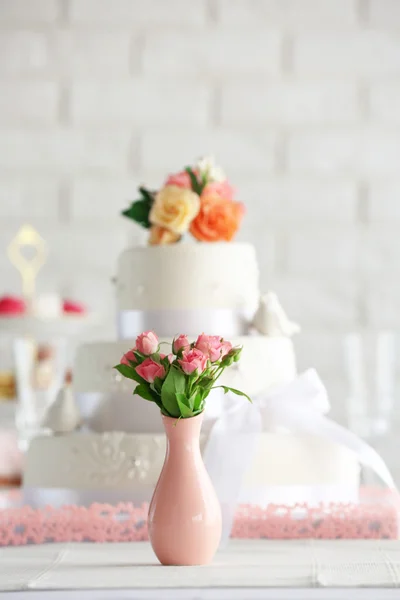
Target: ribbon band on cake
x,y
214,321
299,406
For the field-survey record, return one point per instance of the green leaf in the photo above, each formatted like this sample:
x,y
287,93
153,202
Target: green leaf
x,y
197,412
129,373
186,411
158,382
198,401
174,383
191,401
143,390
139,212
165,363
146,194
234,391
206,382
196,185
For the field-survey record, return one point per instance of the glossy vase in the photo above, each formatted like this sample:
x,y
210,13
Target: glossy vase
x,y
184,515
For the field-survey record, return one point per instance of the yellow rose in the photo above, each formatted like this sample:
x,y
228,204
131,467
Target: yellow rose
x,y
159,236
174,208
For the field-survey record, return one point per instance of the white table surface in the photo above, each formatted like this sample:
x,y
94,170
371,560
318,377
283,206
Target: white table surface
x,y
245,569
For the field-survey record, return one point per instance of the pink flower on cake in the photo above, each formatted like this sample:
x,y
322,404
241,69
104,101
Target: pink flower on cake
x,y
149,370
225,348
128,358
222,189
210,345
180,342
193,360
147,343
180,180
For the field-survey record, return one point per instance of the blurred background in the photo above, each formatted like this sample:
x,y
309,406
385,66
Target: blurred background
x,y
299,100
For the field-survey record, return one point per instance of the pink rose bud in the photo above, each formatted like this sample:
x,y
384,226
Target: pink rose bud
x,y
180,342
225,348
128,358
193,360
147,343
149,370
210,345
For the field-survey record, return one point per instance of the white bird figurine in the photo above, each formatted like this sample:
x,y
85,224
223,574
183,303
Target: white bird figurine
x,y
270,318
63,415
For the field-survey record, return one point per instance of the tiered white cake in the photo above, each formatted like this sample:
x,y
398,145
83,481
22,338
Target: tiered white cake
x,y
180,288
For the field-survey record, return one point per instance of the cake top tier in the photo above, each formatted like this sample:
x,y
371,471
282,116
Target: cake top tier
x,y
169,286
188,276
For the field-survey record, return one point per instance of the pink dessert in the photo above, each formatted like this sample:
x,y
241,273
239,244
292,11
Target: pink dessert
x,y
73,307
12,306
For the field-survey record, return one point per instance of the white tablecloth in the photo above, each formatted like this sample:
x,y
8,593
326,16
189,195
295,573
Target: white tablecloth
x,y
244,564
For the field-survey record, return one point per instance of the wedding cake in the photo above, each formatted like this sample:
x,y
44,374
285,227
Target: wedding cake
x,y
109,443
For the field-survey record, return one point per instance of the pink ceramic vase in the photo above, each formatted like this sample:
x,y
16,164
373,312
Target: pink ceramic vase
x,y
184,515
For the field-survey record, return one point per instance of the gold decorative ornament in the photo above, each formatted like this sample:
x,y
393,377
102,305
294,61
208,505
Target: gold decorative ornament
x,y
28,267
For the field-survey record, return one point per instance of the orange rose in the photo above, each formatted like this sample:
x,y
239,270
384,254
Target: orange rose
x,y
162,236
218,219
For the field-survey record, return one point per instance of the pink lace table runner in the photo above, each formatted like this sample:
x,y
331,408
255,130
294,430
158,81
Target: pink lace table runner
x,y
375,518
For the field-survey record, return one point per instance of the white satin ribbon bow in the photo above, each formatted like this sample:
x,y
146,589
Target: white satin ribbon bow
x,y
299,406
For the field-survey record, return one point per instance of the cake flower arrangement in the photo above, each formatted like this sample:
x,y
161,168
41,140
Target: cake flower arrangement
x,y
179,382
198,200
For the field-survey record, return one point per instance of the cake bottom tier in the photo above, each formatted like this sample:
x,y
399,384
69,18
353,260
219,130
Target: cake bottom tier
x,y
82,468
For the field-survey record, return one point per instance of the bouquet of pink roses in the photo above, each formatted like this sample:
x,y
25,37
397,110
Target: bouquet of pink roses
x,y
179,382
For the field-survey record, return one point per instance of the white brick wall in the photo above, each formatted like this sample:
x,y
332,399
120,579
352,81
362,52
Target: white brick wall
x,y
321,253
345,152
289,13
26,11
23,53
385,102
384,201
139,13
384,13
64,150
290,103
82,54
29,104
252,152
139,103
224,52
299,100
347,53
